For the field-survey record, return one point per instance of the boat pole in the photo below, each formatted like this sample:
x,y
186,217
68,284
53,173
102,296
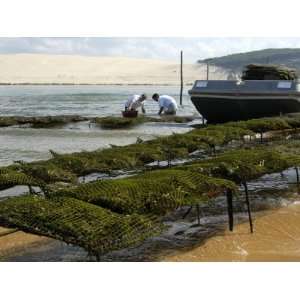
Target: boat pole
x,y
181,76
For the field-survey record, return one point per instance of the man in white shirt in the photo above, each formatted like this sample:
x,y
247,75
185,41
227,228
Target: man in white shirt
x,y
167,104
136,101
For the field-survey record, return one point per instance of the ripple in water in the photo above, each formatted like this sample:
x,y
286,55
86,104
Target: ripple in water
x,y
30,144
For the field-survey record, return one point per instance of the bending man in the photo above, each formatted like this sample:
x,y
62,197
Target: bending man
x,y
136,101
167,104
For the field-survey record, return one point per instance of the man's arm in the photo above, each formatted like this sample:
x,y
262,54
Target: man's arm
x,y
130,105
161,110
143,109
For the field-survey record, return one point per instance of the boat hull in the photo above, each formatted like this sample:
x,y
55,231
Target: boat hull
x,y
221,110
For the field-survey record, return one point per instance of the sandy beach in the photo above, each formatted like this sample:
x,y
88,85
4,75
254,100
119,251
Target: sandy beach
x,y
276,238
16,241
75,69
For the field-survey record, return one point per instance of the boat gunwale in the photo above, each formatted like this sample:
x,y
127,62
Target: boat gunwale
x,y
289,96
236,91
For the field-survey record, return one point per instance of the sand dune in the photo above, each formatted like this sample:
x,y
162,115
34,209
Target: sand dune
x,y
71,69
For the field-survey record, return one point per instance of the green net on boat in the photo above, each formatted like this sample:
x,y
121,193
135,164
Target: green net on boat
x,y
268,72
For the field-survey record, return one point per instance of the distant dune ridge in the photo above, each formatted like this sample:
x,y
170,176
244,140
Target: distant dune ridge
x,y
73,69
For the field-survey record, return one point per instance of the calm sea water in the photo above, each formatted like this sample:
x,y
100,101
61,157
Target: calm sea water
x,y
32,144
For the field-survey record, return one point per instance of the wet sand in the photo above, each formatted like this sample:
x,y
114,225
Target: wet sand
x,y
276,238
12,241
19,246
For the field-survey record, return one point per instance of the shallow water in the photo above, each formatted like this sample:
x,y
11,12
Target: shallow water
x,y
95,100
30,144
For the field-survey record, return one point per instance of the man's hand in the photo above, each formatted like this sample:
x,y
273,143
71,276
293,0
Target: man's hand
x,y
160,110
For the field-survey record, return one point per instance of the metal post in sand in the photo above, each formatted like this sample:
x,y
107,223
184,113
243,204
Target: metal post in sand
x,y
248,205
229,208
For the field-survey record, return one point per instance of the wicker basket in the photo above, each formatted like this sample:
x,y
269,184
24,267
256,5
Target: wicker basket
x,y
130,114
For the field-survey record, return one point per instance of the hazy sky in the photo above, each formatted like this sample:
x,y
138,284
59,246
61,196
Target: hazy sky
x,y
161,48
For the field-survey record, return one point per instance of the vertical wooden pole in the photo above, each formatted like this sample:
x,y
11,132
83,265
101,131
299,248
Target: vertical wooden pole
x,y
181,76
248,205
207,70
229,208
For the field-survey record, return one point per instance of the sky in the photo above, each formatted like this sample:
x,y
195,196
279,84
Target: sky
x,y
157,48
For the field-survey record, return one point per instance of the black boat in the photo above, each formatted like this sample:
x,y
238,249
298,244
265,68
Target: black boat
x,y
220,101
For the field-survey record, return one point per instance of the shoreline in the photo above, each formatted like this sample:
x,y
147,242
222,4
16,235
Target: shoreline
x,y
276,238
